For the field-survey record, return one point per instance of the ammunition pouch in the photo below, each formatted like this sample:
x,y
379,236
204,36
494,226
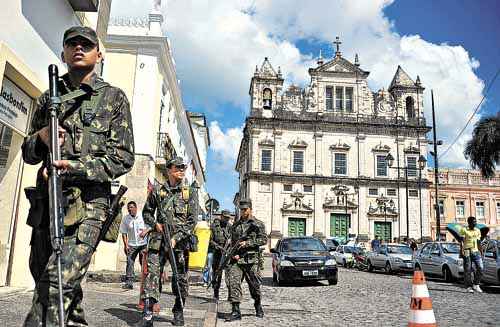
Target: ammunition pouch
x,y
155,241
88,233
39,208
75,211
111,235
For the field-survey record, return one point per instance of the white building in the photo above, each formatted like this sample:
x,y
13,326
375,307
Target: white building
x,y
306,151
31,35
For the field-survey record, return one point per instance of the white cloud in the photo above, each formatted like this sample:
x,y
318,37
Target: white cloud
x,y
225,144
218,43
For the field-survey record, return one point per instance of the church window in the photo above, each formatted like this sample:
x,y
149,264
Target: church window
x,y
410,110
339,98
298,162
268,99
329,98
340,164
413,193
308,188
480,209
287,187
373,191
411,164
381,166
266,160
348,99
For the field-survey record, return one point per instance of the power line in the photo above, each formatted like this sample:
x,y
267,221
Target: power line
x,y
472,116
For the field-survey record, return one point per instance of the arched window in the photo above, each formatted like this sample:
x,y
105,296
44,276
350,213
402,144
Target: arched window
x,y
268,99
410,108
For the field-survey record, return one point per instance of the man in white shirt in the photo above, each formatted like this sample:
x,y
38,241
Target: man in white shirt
x,y
132,229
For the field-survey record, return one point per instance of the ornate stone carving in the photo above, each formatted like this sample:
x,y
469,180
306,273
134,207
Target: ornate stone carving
x,y
381,148
297,205
266,142
340,146
298,143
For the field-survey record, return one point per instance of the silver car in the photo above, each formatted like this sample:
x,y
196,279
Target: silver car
x,y
440,259
391,257
491,274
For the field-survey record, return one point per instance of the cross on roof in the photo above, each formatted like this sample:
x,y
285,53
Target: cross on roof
x,y
337,43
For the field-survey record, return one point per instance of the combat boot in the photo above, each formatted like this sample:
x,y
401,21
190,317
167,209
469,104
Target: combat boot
x,y
178,312
235,312
147,314
216,294
259,312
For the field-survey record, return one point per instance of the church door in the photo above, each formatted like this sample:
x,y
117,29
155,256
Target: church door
x,y
383,230
296,227
339,225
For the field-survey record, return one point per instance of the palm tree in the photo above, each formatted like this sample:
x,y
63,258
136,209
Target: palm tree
x,y
483,150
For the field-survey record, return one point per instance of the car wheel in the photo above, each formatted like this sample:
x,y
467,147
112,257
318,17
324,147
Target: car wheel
x,y
334,280
370,266
388,268
448,277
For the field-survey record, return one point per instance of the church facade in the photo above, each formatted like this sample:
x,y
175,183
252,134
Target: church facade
x,y
335,159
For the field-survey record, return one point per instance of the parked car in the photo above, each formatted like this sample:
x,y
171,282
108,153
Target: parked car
x,y
491,274
391,257
440,259
344,255
331,244
303,259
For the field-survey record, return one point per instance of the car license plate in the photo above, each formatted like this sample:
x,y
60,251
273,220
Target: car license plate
x,y
310,273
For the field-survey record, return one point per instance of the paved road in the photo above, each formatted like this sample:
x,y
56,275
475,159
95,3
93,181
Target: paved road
x,y
363,299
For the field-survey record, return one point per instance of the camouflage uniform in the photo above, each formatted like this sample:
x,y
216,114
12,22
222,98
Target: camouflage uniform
x,y
99,145
176,206
253,232
219,234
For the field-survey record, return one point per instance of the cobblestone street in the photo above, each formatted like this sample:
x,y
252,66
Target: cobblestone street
x,y
364,299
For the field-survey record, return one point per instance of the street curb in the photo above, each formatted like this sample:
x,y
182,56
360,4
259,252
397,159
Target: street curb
x,y
210,319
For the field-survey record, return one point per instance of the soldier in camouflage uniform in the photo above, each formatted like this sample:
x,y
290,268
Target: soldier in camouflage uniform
x,y
97,146
250,234
219,234
175,205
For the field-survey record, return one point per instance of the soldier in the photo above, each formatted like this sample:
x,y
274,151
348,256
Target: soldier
x,y
219,234
97,146
250,234
175,205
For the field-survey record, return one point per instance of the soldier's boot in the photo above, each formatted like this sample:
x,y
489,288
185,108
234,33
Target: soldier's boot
x,y
147,314
259,312
216,294
178,312
235,312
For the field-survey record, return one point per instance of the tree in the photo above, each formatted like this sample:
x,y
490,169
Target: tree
x,y
483,150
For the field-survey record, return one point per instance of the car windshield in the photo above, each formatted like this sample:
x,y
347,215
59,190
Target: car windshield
x,y
302,244
349,249
450,248
399,250
331,243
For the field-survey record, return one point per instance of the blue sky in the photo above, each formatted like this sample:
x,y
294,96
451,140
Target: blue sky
x,y
453,45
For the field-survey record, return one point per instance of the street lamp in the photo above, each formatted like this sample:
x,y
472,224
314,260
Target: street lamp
x,y
382,204
421,165
390,161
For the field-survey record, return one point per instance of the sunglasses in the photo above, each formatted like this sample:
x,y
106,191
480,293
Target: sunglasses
x,y
84,43
180,167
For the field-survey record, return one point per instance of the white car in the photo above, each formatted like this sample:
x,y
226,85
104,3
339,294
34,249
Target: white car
x,y
344,255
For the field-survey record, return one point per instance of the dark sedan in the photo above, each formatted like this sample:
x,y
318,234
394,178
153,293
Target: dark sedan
x,y
303,259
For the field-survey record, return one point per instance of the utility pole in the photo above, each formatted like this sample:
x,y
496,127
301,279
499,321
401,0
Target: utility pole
x,y
436,169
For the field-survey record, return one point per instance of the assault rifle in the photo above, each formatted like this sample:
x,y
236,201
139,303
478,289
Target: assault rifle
x,y
171,258
113,210
56,206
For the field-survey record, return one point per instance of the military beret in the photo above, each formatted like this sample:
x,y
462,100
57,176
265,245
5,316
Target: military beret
x,y
225,213
175,161
83,31
245,203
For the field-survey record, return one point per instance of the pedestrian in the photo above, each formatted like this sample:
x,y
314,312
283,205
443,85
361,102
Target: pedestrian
x,y
97,146
219,235
375,244
472,253
250,234
133,230
173,205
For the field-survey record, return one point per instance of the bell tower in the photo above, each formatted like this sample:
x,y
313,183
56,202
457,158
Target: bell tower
x,y
265,88
408,95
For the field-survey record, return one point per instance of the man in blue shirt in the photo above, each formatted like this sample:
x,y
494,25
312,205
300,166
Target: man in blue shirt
x,y
375,243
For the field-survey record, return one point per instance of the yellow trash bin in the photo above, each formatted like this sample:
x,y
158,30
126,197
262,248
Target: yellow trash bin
x,y
198,259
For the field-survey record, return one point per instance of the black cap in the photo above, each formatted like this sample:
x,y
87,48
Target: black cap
x,y
245,203
225,213
83,31
175,161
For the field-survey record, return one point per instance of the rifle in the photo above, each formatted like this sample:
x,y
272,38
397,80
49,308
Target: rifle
x,y
111,213
56,207
171,257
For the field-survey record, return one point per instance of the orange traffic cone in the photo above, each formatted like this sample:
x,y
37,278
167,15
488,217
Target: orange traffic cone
x,y
421,313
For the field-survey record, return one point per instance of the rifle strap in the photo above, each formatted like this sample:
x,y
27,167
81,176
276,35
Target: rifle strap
x,y
88,112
